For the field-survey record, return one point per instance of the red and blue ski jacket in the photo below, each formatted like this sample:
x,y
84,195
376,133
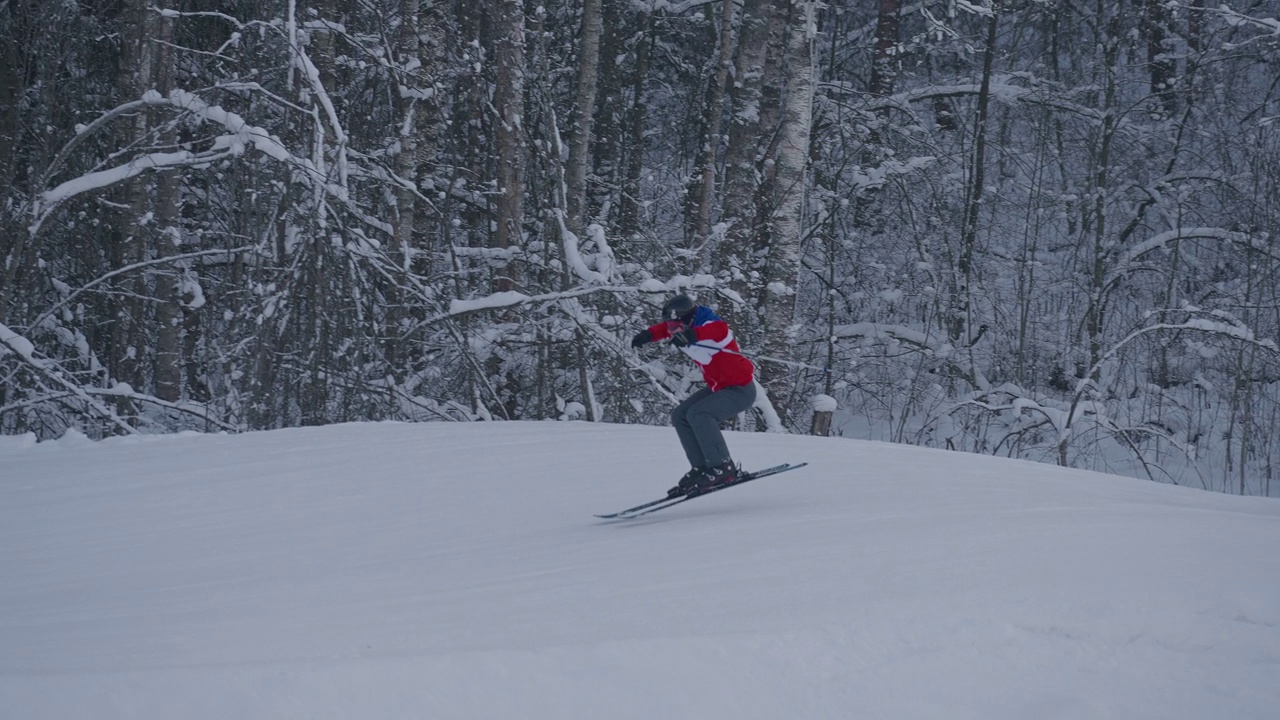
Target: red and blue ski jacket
x,y
716,351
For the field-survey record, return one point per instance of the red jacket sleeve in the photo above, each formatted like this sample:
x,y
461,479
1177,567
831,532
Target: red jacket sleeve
x,y
659,331
713,331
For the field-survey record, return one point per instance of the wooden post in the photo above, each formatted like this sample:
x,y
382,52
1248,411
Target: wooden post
x,y
824,406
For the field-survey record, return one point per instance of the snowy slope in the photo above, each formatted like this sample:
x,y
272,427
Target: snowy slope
x,y
455,571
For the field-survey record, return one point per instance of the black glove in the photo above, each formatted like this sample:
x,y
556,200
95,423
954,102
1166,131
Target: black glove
x,y
642,338
684,337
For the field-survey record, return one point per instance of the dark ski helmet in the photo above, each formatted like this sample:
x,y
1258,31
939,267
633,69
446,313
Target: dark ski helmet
x,y
678,308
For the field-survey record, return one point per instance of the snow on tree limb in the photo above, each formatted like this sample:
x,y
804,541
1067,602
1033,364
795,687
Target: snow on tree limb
x,y
85,131
1219,323
119,173
13,343
1269,26
48,313
17,344
312,74
1002,91
241,136
921,341
573,257
1123,264
1063,421
512,298
26,351
123,390
1222,326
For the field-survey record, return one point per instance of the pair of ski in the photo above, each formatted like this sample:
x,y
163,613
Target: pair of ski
x,y
666,502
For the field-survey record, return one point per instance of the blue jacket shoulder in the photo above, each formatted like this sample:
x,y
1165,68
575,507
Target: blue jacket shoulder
x,y
703,315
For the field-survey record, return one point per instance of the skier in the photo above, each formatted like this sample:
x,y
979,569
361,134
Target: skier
x,y
731,388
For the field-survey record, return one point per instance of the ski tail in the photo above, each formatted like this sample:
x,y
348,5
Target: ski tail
x,y
632,510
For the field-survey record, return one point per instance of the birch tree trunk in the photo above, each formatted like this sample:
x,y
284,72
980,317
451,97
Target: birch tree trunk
x,y
584,115
731,258
786,224
410,103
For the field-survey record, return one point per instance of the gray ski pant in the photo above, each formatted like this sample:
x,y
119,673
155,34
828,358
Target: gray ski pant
x,y
697,421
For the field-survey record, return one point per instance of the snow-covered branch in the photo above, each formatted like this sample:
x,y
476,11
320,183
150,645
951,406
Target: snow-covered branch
x,y
1123,265
901,335
1216,323
240,136
123,390
1002,92
1269,26
49,312
512,299
11,342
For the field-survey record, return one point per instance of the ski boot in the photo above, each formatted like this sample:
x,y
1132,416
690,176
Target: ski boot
x,y
714,478
686,483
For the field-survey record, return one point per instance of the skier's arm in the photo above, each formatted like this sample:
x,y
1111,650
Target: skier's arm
x,y
659,332
713,333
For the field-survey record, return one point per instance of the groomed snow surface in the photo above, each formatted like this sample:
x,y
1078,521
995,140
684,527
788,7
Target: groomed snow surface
x,y
442,571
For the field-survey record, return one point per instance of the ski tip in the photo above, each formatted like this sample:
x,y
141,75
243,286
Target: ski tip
x,y
617,516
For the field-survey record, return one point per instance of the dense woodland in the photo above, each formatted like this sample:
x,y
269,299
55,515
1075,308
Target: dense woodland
x,y
1043,229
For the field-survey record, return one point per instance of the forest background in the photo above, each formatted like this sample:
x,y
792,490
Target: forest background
x,y
1038,228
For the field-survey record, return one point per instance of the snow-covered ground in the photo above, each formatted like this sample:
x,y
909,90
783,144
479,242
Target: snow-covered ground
x,y
442,571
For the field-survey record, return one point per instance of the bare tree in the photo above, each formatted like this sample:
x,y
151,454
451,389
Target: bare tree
x,y
885,61
704,177
584,114
508,100
959,322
